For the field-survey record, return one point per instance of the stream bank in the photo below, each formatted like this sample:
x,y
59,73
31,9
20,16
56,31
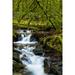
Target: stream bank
x,y
50,46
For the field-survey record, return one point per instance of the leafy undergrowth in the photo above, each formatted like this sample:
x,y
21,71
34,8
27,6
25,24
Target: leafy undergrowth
x,y
34,25
52,42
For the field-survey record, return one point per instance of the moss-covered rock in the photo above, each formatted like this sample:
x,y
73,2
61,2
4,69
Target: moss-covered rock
x,y
52,42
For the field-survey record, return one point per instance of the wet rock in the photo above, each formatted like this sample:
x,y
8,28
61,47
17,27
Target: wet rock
x,y
17,67
38,52
47,64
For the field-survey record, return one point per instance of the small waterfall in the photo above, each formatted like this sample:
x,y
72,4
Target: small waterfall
x,y
33,63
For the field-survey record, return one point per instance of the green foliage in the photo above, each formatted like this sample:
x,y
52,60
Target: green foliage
x,y
53,42
45,11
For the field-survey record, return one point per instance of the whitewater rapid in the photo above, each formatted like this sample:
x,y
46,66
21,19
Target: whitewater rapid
x,y
34,63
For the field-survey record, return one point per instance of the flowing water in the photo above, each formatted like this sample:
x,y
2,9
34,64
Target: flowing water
x,y
32,62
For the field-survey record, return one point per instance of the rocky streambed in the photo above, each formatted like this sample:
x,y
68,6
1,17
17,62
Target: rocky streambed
x,y
50,47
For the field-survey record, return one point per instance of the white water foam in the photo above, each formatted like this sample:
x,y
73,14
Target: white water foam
x,y
34,63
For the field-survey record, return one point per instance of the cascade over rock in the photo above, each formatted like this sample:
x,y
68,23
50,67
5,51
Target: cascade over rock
x,y
33,63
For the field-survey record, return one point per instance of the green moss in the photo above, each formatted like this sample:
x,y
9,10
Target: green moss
x,y
34,25
54,42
